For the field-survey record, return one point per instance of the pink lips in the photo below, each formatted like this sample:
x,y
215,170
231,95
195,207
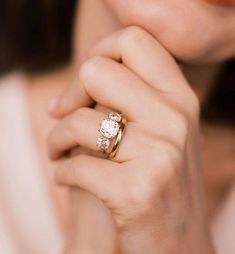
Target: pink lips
x,y
222,2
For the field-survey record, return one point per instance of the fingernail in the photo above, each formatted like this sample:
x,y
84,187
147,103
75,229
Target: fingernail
x,y
52,104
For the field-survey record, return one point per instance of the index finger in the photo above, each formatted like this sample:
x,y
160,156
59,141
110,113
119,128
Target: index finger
x,y
145,57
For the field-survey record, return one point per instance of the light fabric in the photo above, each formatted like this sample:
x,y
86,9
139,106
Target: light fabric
x,y
27,218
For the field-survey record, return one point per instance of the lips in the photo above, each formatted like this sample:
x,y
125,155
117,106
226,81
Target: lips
x,y
222,2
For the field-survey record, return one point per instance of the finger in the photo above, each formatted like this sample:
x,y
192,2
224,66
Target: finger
x,y
142,54
146,57
74,94
110,84
98,176
81,128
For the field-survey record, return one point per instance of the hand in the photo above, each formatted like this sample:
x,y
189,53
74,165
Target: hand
x,y
153,187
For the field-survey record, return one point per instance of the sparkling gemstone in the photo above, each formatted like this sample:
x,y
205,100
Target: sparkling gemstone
x,y
109,128
115,116
103,142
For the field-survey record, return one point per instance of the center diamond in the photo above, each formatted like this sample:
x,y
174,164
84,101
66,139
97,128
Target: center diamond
x,y
109,128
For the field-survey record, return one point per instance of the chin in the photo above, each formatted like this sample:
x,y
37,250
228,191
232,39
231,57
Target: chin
x,y
191,32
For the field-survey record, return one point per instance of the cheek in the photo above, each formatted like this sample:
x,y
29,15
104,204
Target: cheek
x,y
188,33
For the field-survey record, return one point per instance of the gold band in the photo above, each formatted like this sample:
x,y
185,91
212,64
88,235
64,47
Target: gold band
x,y
111,133
118,138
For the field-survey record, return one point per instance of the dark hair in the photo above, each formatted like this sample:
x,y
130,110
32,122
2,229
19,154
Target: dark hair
x,y
35,36
220,105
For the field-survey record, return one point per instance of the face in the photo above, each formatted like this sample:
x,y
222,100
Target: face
x,y
192,30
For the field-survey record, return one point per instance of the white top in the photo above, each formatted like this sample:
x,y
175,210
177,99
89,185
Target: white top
x,y
28,223
27,219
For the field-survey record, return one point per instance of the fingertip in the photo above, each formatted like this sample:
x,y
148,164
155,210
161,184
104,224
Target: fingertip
x,y
55,107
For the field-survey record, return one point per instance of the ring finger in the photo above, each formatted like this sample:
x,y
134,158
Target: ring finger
x,y
81,128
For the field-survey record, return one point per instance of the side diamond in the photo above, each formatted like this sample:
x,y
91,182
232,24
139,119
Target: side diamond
x,y
115,116
103,142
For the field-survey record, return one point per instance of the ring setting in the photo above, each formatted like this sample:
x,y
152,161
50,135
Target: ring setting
x,y
103,142
111,130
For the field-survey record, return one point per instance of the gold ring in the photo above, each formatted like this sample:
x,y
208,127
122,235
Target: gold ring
x,y
118,139
111,130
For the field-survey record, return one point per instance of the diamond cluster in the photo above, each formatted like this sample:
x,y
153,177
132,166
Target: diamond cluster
x,y
109,129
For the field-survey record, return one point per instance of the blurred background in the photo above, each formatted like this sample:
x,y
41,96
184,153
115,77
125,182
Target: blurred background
x,y
35,35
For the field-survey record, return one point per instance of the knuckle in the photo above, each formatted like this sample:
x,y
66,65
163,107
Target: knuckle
x,y
138,200
89,67
132,33
141,194
79,116
165,162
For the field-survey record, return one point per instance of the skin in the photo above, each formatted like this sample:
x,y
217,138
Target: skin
x,y
136,188
171,184
210,40
222,2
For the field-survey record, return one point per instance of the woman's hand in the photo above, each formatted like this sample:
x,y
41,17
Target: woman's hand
x,y
153,187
